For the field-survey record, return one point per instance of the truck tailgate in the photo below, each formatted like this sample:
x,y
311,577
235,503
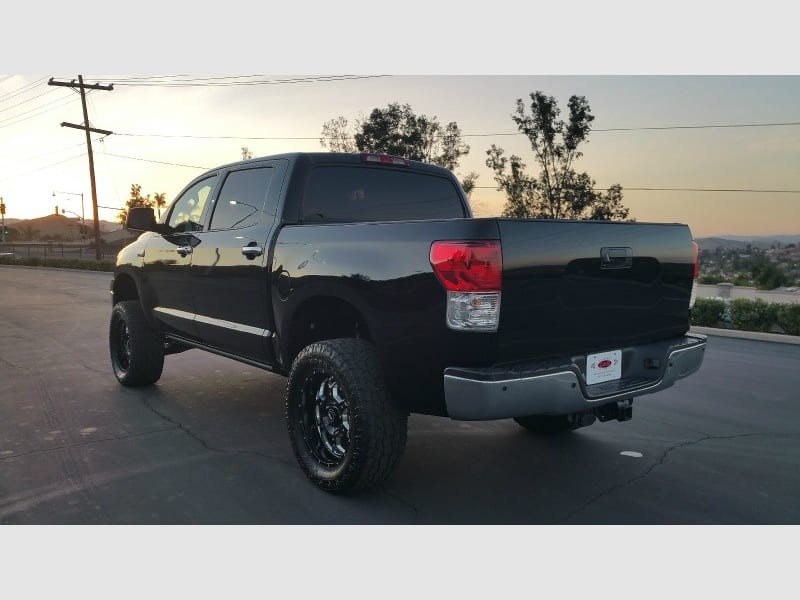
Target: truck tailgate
x,y
575,287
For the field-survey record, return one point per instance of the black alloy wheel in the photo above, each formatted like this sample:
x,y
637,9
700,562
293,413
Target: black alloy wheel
x,y
326,419
346,432
123,345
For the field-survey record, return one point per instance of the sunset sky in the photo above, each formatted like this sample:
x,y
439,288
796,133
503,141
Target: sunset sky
x,y
436,58
37,156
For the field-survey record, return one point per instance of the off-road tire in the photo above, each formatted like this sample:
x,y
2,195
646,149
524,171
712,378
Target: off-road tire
x,y
377,427
142,362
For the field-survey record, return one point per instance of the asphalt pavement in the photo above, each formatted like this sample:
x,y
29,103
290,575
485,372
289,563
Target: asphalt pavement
x,y
207,443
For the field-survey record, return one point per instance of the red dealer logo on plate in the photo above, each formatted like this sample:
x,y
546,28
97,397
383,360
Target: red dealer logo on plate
x,y
603,366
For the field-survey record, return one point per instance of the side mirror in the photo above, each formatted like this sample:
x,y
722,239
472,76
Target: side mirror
x,y
141,218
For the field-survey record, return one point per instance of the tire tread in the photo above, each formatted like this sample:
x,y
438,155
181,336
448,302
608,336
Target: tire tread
x,y
147,353
381,441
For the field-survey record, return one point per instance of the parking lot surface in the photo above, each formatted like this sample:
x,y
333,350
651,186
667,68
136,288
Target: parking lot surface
x,y
207,443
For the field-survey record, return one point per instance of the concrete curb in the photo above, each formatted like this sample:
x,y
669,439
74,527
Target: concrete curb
x,y
748,335
109,273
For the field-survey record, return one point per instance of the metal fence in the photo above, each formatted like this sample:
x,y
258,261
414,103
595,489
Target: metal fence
x,y
64,250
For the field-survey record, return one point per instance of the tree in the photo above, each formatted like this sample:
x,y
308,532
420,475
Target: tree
x,y
337,137
768,276
29,233
558,192
520,189
469,182
135,200
160,201
397,130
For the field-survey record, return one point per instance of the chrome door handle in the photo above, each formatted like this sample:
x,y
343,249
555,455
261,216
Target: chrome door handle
x,y
252,251
183,250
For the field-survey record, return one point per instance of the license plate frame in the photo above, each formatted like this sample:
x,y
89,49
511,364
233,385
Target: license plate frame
x,y
603,366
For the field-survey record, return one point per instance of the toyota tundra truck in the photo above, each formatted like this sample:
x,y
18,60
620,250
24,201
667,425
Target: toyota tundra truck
x,y
365,280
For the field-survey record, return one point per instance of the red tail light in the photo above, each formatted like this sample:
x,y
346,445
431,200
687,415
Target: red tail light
x,y
696,259
468,266
385,159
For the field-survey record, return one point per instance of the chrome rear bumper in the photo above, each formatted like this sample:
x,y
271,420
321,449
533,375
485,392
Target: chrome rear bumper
x,y
559,387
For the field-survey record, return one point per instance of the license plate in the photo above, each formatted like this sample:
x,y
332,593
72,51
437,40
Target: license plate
x,y
604,366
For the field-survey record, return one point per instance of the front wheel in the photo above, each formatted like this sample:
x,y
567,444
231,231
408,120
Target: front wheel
x,y
137,350
346,433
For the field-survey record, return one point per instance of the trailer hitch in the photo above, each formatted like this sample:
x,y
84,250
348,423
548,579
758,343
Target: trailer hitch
x,y
621,410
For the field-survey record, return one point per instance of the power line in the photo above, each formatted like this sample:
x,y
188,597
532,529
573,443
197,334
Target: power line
x,y
49,152
178,78
216,137
68,101
24,89
463,135
160,162
491,187
44,167
722,126
41,106
26,101
648,189
188,83
664,128
653,189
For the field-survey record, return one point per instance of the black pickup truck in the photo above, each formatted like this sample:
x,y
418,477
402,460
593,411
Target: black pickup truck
x,y
366,281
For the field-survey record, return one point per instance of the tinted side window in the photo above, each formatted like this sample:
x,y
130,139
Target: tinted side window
x,y
351,193
187,211
242,199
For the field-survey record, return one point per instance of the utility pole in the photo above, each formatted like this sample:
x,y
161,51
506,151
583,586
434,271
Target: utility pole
x,y
83,87
3,214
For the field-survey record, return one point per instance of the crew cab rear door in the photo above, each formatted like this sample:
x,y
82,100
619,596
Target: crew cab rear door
x,y
229,278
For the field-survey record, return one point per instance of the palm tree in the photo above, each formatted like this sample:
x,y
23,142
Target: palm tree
x,y
160,201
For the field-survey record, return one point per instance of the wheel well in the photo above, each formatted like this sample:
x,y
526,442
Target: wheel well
x,y
125,288
324,318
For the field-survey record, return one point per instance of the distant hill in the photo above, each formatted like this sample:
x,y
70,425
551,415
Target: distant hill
x,y
712,243
740,242
58,227
765,240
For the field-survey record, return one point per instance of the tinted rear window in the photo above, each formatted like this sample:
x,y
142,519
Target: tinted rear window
x,y
352,194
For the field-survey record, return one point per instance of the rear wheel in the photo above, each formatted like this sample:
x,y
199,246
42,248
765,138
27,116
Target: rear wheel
x,y
346,433
549,424
137,350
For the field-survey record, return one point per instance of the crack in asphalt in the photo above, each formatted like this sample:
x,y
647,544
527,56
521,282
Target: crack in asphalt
x,y
675,425
205,444
658,463
87,443
401,500
11,364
